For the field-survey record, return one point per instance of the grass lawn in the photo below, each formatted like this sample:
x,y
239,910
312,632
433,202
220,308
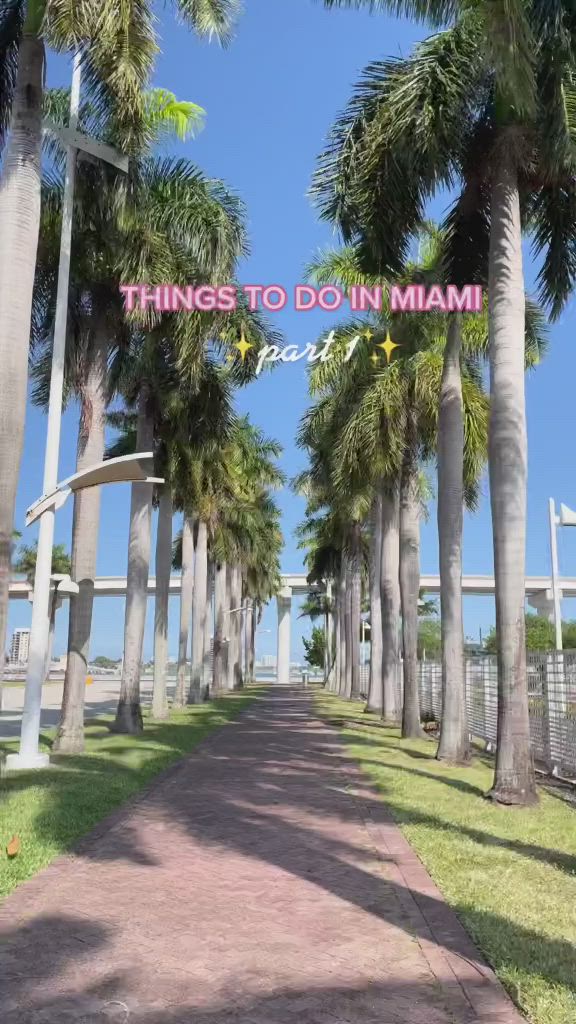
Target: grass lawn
x,y
50,810
11,683
510,875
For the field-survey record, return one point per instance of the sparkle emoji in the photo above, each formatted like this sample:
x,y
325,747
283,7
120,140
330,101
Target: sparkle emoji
x,y
388,347
243,346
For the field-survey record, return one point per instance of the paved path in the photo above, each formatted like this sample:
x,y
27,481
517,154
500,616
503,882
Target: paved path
x,y
260,881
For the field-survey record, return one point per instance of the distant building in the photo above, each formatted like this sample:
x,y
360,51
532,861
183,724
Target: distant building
x,y
20,647
268,661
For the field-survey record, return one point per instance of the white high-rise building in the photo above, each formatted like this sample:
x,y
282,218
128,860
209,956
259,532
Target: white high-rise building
x,y
19,647
268,661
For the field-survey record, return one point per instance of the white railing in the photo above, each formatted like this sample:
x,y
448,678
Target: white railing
x,y
551,697
551,702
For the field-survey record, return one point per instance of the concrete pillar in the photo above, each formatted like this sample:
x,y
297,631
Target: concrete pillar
x,y
543,604
284,602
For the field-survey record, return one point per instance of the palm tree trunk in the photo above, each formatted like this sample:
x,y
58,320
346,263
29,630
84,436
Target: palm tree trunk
x,y
335,684
220,608
186,591
163,570
454,743
342,615
347,680
329,635
375,690
327,645
199,613
514,781
231,660
252,655
19,226
85,526
238,621
330,647
409,592
208,632
248,639
230,627
390,602
129,714
355,607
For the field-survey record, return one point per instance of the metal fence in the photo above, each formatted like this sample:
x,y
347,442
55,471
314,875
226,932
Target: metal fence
x,y
551,700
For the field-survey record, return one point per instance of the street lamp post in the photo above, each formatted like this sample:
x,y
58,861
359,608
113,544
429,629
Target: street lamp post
x,y
566,518
556,591
126,469
40,627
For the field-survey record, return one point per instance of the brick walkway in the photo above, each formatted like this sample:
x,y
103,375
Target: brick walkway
x,y
259,882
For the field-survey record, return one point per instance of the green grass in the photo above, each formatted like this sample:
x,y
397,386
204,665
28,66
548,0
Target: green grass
x,y
50,810
11,683
510,875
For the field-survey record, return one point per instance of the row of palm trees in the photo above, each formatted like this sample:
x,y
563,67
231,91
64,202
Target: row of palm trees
x,y
164,383
118,45
164,222
483,108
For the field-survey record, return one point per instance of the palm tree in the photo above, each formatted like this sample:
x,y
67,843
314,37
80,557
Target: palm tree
x,y
344,267
348,500
25,27
118,46
501,125
261,573
184,560
128,714
25,561
235,677
192,417
317,606
163,572
170,412
323,559
246,541
221,606
212,492
188,212
381,421
195,424
375,700
323,563
199,612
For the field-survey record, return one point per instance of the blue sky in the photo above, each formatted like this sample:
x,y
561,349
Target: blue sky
x,y
271,98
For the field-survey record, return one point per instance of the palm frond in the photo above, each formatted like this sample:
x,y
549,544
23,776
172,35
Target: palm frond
x,y
118,46
211,18
435,12
11,22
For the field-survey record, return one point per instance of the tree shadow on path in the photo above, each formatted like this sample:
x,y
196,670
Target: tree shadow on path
x,y
275,788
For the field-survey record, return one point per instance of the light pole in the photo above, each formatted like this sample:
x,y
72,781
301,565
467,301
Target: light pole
x,y
566,518
260,630
40,609
556,592
126,469
29,755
